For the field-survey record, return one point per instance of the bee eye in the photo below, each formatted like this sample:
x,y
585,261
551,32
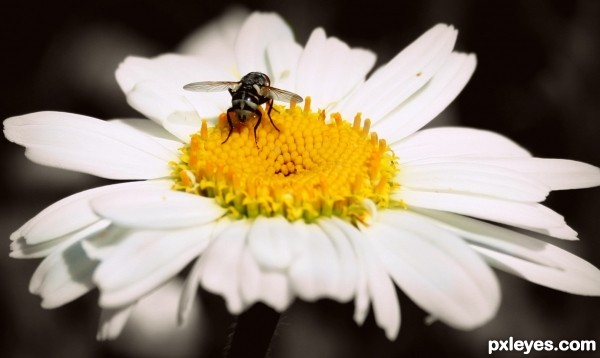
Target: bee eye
x,y
266,80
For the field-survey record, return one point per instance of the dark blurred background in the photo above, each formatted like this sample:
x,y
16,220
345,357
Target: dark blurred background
x,y
536,82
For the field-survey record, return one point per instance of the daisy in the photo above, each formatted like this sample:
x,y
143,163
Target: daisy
x,y
342,196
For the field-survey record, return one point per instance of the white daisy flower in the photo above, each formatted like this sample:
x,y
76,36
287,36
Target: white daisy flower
x,y
345,199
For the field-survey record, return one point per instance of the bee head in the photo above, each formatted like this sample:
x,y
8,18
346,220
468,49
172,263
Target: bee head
x,y
256,78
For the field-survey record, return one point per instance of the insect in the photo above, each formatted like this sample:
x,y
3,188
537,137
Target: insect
x,y
253,90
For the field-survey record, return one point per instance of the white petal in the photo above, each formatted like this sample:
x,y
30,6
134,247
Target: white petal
x,y
558,174
436,269
484,234
56,257
19,249
275,290
458,221
347,258
381,289
168,108
526,215
249,273
112,322
255,35
435,143
532,259
399,79
146,259
169,71
156,208
88,145
431,99
361,298
316,271
268,242
155,88
180,114
558,228
472,178
50,223
283,57
221,263
328,69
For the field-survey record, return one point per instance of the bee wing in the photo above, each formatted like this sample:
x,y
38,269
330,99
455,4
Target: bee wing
x,y
282,95
211,86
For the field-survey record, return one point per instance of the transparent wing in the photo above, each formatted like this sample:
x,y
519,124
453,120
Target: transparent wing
x,y
282,95
211,86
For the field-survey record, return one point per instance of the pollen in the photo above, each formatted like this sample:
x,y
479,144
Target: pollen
x,y
313,166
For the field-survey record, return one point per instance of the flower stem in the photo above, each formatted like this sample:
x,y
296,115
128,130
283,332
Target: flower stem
x,y
253,332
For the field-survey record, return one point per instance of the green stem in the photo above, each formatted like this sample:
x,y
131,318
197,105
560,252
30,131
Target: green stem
x,y
253,332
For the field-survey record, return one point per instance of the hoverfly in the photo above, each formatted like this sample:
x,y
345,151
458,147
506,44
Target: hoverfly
x,y
253,90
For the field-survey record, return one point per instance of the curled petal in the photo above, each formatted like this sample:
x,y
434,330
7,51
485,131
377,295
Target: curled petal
x,y
63,276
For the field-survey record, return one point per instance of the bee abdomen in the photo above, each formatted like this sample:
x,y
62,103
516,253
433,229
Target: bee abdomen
x,y
244,104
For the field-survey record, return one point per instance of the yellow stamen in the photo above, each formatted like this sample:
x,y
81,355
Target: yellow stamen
x,y
310,168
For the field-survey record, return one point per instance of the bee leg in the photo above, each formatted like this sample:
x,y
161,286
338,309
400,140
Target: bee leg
x,y
270,103
271,106
259,115
230,125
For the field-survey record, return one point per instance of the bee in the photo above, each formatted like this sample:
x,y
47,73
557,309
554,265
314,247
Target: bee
x,y
253,90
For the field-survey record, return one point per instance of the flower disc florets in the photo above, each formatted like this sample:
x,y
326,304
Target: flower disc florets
x,y
310,168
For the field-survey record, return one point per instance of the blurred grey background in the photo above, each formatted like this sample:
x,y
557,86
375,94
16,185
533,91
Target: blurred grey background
x,y
536,82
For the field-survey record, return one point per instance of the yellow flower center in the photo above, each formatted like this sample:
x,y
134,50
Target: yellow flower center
x,y
310,168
